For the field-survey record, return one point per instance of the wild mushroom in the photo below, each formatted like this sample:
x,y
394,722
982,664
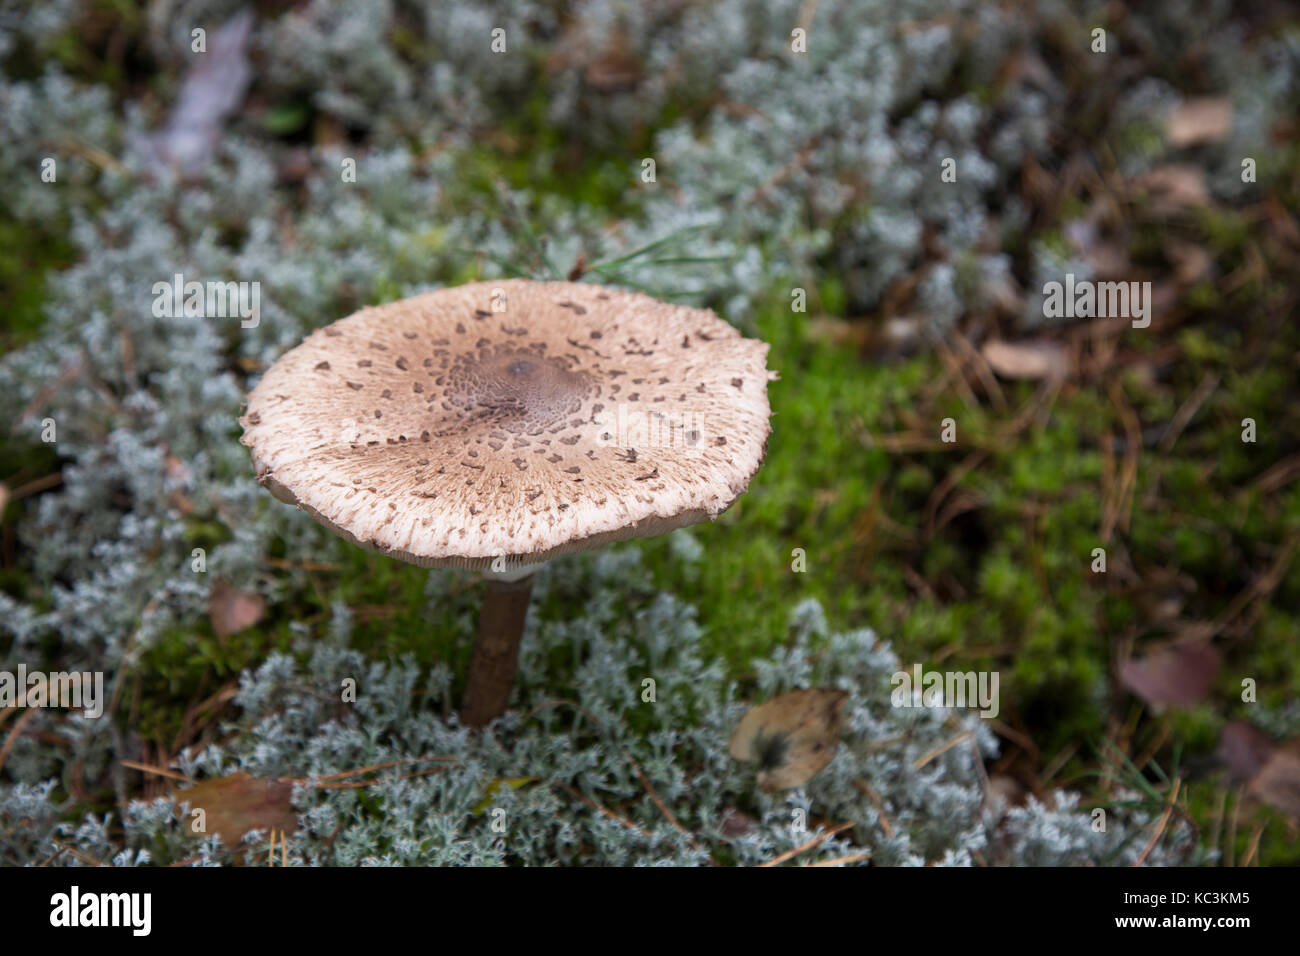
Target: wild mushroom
x,y
495,426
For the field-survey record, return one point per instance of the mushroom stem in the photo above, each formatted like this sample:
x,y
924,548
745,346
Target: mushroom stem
x,y
496,652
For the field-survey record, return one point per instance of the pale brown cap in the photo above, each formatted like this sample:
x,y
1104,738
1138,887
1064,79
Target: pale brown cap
x,y
515,419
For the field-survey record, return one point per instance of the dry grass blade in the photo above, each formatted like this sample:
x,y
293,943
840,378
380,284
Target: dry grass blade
x,y
815,841
942,749
1253,848
53,856
158,771
950,481
982,370
863,787
1259,588
44,483
668,814
1132,449
359,784
1278,476
1160,827
85,858
577,795
316,781
1109,506
1187,411
842,860
958,371
645,782
13,735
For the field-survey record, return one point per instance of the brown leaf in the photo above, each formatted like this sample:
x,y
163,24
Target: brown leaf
x,y
1027,360
1107,257
1270,771
1278,784
836,331
1244,749
895,337
1006,791
1177,675
1003,294
235,805
1191,261
179,475
615,70
736,822
793,737
233,610
1204,120
1173,188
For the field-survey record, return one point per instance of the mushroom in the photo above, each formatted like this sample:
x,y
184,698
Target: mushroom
x,y
495,426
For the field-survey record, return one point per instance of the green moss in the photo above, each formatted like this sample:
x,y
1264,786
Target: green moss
x,y
27,256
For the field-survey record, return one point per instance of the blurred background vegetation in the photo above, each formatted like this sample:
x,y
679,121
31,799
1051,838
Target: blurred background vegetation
x,y
775,171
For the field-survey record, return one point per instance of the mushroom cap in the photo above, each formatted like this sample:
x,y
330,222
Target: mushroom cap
x,y
512,420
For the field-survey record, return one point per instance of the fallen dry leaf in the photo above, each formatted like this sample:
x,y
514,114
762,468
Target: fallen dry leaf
x,y
836,331
1027,360
614,71
1178,675
1278,784
1006,791
1270,771
1204,120
736,822
895,337
179,475
1173,188
1191,261
238,804
792,737
1002,293
1107,257
233,610
1244,749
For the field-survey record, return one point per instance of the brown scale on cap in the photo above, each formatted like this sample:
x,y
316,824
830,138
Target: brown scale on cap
x,y
445,431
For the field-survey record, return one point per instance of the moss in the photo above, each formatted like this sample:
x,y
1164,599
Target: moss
x,y
27,256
